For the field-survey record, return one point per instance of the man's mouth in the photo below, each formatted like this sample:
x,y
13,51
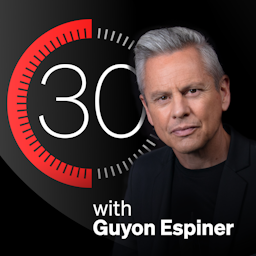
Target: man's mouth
x,y
182,131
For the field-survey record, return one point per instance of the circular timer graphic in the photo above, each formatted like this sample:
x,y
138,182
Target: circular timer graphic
x,y
73,105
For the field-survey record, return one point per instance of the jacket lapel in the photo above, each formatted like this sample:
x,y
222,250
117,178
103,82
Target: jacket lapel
x,y
162,186
231,192
161,199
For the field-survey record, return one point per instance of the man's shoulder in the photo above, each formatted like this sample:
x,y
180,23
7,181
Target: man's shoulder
x,y
157,155
241,140
153,160
242,151
145,171
252,143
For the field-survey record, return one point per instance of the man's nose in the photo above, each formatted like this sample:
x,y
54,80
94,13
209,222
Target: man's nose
x,y
180,108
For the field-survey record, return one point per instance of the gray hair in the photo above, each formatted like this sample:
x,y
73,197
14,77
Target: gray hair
x,y
170,40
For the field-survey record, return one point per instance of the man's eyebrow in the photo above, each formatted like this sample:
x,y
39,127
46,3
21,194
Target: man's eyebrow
x,y
159,93
192,85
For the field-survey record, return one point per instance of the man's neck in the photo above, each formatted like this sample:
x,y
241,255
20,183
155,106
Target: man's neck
x,y
215,152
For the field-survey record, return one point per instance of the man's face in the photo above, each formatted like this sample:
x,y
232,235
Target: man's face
x,y
183,104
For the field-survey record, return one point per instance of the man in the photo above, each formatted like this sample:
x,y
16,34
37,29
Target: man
x,y
206,172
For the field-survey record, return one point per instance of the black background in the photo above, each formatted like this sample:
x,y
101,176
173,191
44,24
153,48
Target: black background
x,y
30,223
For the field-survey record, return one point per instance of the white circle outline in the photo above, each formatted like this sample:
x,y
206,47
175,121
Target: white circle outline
x,y
97,104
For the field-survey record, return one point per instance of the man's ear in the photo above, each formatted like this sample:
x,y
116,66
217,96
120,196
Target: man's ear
x,y
143,100
225,92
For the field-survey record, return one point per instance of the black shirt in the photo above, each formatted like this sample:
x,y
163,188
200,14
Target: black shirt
x,y
194,194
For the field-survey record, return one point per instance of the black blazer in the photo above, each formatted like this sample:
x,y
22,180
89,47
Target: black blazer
x,y
149,194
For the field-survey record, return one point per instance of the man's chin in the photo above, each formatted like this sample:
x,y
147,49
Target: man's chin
x,y
186,149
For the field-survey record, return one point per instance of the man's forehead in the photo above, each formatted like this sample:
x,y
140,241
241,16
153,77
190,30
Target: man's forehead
x,y
164,70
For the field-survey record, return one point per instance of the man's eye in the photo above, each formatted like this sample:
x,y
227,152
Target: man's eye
x,y
163,98
193,90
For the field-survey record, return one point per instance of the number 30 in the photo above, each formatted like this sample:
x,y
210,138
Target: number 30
x,y
74,100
